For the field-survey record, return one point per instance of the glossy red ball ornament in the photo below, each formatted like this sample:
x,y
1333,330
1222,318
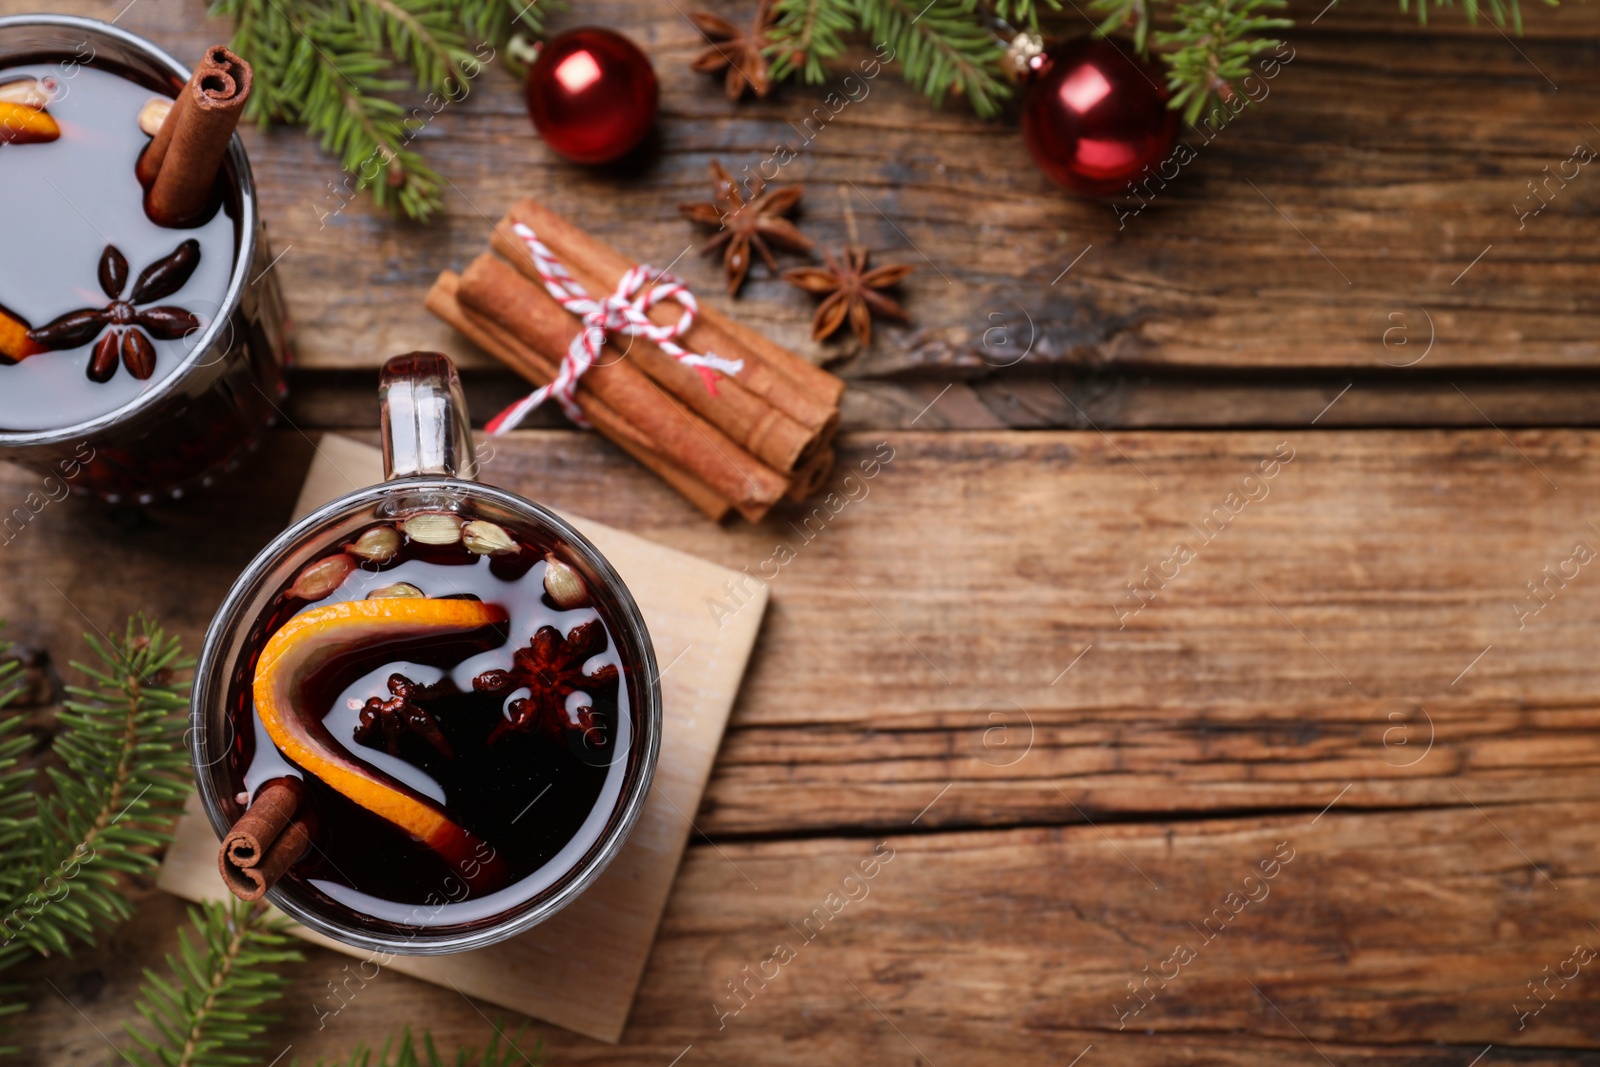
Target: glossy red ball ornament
x,y
592,94
1095,115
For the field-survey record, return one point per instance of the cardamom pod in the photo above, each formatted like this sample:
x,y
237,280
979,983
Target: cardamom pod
x,y
322,577
399,590
380,544
153,114
563,584
487,539
30,92
434,528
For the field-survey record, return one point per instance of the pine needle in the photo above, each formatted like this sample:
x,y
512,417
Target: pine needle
x,y
208,1012
121,781
341,68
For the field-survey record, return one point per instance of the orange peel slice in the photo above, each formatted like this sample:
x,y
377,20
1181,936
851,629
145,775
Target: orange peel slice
x,y
313,640
15,344
21,124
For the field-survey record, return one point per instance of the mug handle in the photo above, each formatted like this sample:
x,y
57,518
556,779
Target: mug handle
x,y
425,428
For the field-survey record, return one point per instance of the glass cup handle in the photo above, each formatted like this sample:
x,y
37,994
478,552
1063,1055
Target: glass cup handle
x,y
425,428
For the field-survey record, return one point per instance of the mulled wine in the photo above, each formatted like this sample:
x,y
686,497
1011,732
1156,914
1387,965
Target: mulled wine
x,y
147,340
453,697
100,304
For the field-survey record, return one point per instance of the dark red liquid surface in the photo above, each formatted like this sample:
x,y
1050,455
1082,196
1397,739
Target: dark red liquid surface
x,y
67,199
527,794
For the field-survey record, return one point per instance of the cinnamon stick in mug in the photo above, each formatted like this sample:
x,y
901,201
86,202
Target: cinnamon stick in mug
x,y
266,841
179,168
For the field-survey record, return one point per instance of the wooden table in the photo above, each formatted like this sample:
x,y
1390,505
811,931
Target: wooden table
x,y
1344,682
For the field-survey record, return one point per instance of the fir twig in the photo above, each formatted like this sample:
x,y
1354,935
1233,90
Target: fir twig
x,y
207,1014
805,34
942,46
409,1054
120,783
331,66
1212,48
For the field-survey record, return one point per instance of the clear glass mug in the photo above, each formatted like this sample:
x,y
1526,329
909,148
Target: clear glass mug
x,y
430,467
196,423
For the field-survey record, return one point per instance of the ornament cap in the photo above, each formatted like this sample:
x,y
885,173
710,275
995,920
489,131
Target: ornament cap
x,y
1023,55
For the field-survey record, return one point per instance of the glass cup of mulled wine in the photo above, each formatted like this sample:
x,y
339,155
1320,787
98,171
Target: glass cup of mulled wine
x,y
137,360
447,688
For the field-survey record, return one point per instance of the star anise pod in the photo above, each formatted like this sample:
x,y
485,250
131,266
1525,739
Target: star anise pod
x,y
132,326
735,51
551,669
393,719
853,292
742,224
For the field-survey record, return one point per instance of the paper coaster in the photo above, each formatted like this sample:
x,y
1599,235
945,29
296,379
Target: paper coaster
x,y
581,968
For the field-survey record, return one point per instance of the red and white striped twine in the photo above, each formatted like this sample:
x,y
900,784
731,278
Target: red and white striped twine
x,y
625,312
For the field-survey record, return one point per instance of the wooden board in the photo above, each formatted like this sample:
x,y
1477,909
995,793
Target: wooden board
x,y
1287,243
580,968
1194,739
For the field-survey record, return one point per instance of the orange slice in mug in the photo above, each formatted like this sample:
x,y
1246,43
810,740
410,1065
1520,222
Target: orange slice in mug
x,y
317,639
21,124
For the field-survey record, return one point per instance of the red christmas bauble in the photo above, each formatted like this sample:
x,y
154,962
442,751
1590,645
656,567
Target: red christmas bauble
x,y
592,94
1094,116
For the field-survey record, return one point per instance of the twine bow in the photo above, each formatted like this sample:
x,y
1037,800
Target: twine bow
x,y
626,311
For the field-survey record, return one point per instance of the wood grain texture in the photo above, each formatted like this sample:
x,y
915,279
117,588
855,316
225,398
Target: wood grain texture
x,y
1206,730
1382,162
1220,721
1389,938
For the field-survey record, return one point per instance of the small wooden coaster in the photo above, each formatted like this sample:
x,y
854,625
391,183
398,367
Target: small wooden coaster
x,y
581,968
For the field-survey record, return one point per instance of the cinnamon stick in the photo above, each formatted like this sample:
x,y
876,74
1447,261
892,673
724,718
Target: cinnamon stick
x,y
503,345
497,292
267,839
765,431
812,476
179,168
807,394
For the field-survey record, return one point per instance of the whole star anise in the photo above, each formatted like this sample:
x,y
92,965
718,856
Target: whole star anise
x,y
757,222
734,51
853,292
551,669
393,719
132,326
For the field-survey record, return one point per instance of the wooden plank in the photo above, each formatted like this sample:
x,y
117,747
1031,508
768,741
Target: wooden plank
x,y
1398,202
1386,938
1398,556
1072,400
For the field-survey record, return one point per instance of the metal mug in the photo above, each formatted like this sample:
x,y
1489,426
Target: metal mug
x,y
429,466
196,423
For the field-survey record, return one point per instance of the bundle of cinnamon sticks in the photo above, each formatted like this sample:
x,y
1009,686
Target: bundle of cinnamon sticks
x,y
763,434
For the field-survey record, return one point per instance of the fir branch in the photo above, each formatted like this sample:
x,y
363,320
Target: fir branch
x,y
420,33
1212,48
942,46
121,783
1132,16
1022,13
208,1013
410,1054
330,66
805,34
